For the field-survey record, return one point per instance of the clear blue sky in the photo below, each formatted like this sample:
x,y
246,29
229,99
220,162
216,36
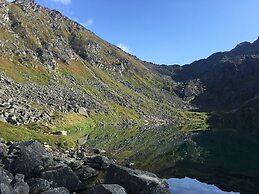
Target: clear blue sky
x,y
166,31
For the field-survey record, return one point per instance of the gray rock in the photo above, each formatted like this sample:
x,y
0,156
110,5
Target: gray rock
x,y
85,172
3,151
108,189
83,111
5,182
136,181
5,189
59,190
3,119
38,185
62,176
25,157
19,186
98,162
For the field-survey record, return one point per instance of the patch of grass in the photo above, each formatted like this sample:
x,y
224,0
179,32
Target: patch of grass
x,y
24,133
23,74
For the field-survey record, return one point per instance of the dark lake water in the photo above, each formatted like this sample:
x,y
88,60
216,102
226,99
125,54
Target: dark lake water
x,y
223,157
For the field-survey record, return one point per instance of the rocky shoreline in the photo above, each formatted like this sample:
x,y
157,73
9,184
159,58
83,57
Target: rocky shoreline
x,y
30,167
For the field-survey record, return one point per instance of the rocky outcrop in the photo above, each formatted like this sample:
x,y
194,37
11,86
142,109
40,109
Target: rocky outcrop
x,y
43,171
136,181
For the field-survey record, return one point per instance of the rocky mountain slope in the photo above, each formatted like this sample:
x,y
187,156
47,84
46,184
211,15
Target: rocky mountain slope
x,y
63,85
51,62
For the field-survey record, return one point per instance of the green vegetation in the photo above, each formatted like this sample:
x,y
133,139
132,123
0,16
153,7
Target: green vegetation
x,y
26,133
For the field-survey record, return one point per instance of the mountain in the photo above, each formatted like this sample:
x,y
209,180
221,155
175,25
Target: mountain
x,y
226,84
52,62
64,86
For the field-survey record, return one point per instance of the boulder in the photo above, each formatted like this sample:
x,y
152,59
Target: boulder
x,y
3,151
5,189
108,189
64,133
98,162
85,172
62,176
59,190
5,182
19,186
136,181
38,185
83,111
24,157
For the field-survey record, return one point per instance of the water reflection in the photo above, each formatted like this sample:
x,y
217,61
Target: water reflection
x,y
223,157
192,186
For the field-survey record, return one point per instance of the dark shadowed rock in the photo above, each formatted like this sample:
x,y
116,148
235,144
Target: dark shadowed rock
x,y
38,185
62,176
108,189
60,190
85,172
24,157
136,181
98,162
19,186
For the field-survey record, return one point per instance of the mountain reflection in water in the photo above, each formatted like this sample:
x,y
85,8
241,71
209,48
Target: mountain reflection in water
x,y
192,186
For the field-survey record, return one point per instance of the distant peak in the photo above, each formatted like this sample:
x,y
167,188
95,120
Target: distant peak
x,y
242,44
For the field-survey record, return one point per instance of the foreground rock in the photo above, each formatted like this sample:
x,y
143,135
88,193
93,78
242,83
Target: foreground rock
x,y
24,157
136,181
30,169
108,189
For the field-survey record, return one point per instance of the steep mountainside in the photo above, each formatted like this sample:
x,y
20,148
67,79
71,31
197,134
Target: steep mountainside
x,y
50,64
225,84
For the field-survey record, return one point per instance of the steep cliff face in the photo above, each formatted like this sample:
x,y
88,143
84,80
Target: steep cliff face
x,y
56,64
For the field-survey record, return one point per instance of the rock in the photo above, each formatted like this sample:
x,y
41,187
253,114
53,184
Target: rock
x,y
19,186
38,185
59,133
98,162
85,172
98,151
12,119
108,189
3,119
24,157
3,151
5,182
62,176
136,181
83,111
59,190
5,189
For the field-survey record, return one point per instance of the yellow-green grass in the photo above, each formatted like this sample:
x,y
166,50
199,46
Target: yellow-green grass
x,y
22,133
